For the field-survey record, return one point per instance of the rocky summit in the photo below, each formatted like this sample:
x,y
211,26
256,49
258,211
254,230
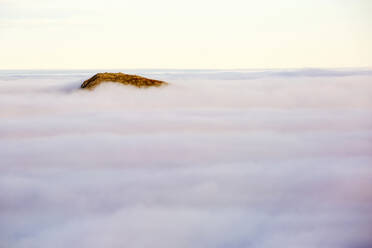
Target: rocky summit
x,y
126,79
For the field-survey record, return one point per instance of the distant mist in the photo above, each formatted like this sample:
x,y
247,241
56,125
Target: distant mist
x,y
275,158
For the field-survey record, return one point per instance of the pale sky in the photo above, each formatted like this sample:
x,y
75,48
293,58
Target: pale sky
x,y
199,34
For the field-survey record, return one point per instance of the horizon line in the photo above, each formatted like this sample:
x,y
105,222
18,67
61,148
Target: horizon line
x,y
195,69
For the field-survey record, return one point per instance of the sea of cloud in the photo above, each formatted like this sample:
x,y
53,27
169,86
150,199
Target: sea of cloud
x,y
271,158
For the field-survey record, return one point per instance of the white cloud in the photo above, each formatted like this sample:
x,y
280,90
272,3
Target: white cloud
x,y
268,159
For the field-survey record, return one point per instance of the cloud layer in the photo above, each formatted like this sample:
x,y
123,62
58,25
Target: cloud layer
x,y
271,161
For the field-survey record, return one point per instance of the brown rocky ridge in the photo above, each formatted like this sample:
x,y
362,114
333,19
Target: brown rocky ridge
x,y
137,81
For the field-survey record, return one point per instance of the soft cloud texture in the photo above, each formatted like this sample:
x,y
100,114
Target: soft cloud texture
x,y
216,159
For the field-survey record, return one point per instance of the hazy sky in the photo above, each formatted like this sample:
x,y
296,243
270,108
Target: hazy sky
x,y
81,34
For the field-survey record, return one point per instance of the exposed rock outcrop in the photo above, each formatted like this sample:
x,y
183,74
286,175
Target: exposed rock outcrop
x,y
138,81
